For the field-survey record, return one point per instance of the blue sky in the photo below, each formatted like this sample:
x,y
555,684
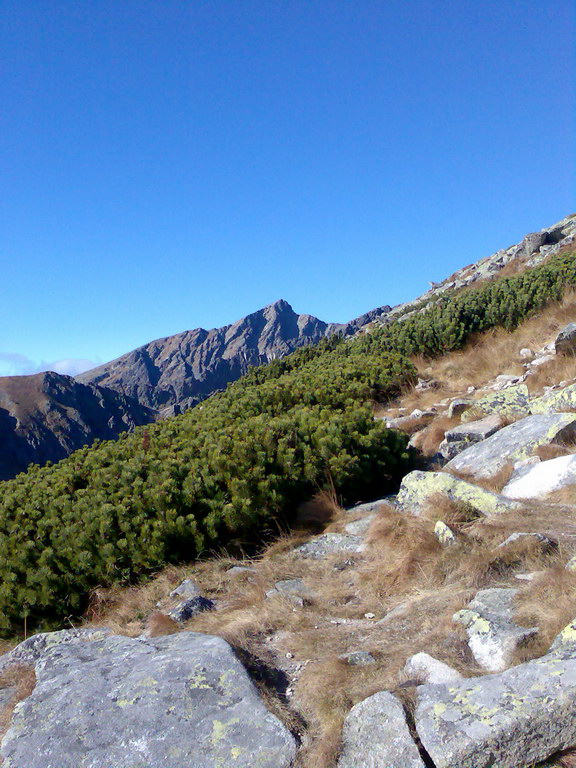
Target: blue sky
x,y
168,165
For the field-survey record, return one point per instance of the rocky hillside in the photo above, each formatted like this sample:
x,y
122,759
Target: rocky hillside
x,y
434,628
47,416
175,373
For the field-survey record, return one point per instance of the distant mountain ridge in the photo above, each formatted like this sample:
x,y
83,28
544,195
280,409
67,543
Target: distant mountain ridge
x,y
176,372
46,416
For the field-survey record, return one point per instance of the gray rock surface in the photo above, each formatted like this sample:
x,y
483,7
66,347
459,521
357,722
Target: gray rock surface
x,y
513,443
538,480
360,527
187,588
545,542
510,720
329,544
33,648
293,589
461,437
359,658
430,670
444,534
565,342
370,507
376,735
509,401
493,636
190,607
418,490
458,407
183,700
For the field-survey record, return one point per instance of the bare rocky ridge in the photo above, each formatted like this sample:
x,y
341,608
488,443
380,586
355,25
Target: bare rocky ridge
x,y
177,372
46,416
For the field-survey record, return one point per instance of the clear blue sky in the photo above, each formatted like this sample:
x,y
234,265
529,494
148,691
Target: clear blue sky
x,y
168,164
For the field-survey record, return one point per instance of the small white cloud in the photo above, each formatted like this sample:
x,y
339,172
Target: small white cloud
x,y
15,364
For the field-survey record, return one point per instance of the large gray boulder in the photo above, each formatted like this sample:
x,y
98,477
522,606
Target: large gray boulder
x,y
418,490
514,443
537,480
430,670
183,700
511,720
34,647
376,735
493,636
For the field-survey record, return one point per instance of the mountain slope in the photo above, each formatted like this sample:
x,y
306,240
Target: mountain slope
x,y
176,372
46,416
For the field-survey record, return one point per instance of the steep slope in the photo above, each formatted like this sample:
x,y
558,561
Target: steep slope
x,y
47,416
176,372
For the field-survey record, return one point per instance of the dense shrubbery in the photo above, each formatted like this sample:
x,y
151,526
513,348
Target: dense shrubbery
x,y
505,302
237,466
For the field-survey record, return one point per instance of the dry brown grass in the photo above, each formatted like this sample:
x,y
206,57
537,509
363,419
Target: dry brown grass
x,y
428,439
159,624
22,679
548,602
319,511
495,352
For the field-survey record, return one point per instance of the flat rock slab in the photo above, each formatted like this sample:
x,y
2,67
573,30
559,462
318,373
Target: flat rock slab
x,y
181,701
510,720
512,401
555,402
329,544
371,507
461,437
493,636
513,443
537,480
418,489
376,735
32,649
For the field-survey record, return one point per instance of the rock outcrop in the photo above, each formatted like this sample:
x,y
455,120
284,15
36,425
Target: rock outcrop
x,y
180,700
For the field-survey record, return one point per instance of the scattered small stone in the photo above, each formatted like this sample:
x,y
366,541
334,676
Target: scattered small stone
x,y
526,353
571,564
188,608
444,534
546,543
565,342
359,658
329,543
369,615
430,670
187,588
457,407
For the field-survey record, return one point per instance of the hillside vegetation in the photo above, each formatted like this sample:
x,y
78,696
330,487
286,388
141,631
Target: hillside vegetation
x,y
236,468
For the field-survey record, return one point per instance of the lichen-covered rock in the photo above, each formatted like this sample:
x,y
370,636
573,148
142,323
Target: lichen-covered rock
x,y
510,720
430,670
418,489
513,443
444,534
538,480
31,649
555,402
512,401
360,527
492,634
376,735
329,544
181,700
571,564
565,342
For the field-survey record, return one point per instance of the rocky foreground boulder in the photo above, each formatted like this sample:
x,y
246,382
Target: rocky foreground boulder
x,y
181,701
